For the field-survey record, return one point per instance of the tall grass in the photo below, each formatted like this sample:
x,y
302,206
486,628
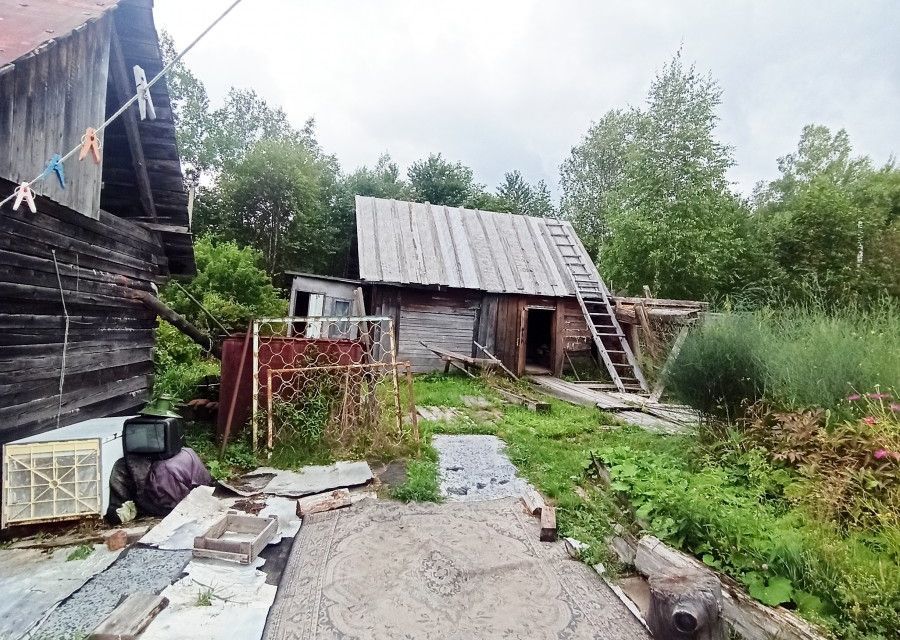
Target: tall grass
x,y
795,358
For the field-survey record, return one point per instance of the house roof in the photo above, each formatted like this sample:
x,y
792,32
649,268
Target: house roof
x,y
26,26
408,243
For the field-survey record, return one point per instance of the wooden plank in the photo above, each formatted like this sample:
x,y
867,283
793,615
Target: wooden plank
x,y
660,385
535,406
337,499
533,501
130,618
548,523
578,394
129,120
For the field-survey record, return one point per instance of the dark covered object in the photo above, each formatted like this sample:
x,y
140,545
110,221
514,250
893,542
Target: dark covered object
x,y
156,486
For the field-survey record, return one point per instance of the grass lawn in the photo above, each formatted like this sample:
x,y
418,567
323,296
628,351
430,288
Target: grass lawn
x,y
731,507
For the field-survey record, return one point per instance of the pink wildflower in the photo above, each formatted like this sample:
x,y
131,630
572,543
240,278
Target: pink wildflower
x,y
853,397
878,396
895,407
869,420
880,454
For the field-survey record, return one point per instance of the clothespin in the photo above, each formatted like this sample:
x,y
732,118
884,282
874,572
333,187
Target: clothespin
x,y
90,143
24,192
56,166
145,101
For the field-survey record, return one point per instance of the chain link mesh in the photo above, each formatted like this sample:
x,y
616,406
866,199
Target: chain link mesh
x,y
332,380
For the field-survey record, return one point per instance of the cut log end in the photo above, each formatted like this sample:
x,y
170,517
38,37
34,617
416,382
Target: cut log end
x,y
685,607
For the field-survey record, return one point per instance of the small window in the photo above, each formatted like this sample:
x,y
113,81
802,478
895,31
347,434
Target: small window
x,y
341,309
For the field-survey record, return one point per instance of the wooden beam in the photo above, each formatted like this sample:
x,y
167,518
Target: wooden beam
x,y
179,322
130,121
130,618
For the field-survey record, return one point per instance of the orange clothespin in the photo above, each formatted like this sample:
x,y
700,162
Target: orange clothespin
x,y
24,192
90,143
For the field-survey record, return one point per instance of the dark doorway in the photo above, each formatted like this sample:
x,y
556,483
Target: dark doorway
x,y
539,340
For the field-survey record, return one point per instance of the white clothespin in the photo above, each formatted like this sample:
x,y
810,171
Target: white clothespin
x,y
24,192
145,100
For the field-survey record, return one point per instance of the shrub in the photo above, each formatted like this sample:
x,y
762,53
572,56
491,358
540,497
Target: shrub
x,y
719,368
795,358
735,524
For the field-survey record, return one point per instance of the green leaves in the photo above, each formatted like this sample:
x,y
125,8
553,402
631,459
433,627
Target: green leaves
x,y
772,591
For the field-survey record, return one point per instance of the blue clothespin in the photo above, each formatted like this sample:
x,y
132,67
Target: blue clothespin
x,y
56,166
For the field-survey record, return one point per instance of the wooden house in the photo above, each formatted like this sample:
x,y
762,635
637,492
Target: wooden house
x,y
75,340
520,286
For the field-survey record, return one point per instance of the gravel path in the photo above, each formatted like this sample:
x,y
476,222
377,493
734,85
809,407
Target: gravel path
x,y
138,569
475,468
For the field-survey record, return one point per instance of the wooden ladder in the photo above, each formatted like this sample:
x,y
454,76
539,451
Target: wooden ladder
x,y
593,297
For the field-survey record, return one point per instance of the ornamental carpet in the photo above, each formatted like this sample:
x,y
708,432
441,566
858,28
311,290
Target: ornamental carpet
x,y
386,570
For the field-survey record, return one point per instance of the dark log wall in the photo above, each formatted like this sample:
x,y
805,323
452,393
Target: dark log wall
x,y
46,101
109,355
453,319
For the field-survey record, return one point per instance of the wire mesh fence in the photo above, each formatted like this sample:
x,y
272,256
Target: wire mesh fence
x,y
331,380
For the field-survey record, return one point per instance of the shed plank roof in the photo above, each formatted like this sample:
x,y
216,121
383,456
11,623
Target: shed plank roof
x,y
25,26
424,244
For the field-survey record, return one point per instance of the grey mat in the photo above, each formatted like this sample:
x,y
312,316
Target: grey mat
x,y
456,570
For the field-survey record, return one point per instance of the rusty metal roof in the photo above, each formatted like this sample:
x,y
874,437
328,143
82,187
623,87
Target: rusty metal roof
x,y
410,243
26,25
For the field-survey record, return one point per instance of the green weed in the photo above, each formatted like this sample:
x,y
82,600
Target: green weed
x,y
80,552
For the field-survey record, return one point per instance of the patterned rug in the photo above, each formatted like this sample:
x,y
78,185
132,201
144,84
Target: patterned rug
x,y
386,570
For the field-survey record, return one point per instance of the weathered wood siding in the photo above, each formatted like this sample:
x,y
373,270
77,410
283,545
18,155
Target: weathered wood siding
x,y
46,102
108,363
441,320
453,319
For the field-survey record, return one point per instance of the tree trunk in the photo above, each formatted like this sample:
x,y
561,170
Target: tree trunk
x,y
685,607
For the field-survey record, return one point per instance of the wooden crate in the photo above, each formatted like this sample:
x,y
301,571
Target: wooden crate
x,y
236,538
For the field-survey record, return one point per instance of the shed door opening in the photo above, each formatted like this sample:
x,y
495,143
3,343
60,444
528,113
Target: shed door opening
x,y
539,340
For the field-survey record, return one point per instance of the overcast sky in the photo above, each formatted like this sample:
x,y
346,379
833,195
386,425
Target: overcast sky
x,y
502,85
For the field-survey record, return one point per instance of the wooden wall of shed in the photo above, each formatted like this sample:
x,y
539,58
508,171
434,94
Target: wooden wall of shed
x,y
109,355
46,102
453,318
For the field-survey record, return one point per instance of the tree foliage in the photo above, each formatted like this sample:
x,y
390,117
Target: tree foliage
x,y
648,192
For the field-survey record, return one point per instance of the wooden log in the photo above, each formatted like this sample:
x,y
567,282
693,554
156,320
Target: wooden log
x,y
179,322
130,618
538,406
533,501
337,499
685,607
548,523
745,616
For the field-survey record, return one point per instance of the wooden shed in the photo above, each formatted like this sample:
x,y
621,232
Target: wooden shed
x,y
75,341
450,277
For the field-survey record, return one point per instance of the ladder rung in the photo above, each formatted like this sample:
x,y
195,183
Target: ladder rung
x,y
611,335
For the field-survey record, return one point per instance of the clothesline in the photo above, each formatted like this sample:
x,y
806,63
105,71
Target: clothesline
x,y
98,130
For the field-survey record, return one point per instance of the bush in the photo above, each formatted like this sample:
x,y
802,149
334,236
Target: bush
x,y
735,518
794,358
719,368
234,289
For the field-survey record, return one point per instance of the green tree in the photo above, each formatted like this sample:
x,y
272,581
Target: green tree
x,y
382,181
648,189
516,195
590,176
285,203
833,220
439,181
820,155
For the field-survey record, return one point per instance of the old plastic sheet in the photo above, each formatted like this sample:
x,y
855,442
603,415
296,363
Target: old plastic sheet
x,y
215,600
33,582
200,509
